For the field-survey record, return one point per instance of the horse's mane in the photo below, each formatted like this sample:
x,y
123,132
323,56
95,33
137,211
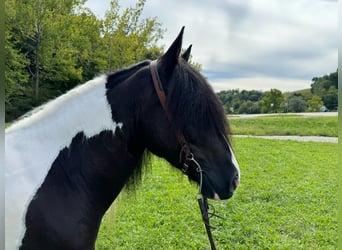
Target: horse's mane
x,y
114,78
194,104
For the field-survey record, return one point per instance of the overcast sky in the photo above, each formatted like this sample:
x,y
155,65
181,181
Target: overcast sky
x,y
250,44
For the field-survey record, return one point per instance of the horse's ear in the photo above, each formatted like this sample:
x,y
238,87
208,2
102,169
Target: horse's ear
x,y
186,54
170,58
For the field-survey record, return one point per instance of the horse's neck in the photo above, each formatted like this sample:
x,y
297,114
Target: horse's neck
x,y
85,178
34,143
83,109
88,176
101,165
43,134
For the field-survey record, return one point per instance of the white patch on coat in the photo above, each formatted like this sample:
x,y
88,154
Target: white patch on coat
x,y
33,143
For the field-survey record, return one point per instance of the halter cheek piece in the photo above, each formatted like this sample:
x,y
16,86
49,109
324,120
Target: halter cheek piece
x,y
185,154
186,157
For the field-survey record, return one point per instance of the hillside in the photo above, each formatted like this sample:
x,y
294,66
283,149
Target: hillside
x,y
304,92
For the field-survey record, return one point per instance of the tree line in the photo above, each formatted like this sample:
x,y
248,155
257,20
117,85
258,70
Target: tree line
x,y
52,46
322,96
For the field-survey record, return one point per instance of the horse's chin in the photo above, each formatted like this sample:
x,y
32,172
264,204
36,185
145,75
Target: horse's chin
x,y
216,197
212,194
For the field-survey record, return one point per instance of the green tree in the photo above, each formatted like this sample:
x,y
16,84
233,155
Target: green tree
x,y
326,87
296,104
243,109
55,45
256,108
233,99
249,107
320,85
16,76
40,29
130,39
315,103
330,99
272,101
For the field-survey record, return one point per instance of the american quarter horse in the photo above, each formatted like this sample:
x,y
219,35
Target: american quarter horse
x,y
67,160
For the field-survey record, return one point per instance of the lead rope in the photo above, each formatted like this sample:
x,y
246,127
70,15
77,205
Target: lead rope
x,y
203,204
202,201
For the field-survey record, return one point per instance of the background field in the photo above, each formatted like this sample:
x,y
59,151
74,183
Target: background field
x,y
285,125
287,200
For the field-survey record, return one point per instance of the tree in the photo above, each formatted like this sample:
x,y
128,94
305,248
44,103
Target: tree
x,y
320,85
233,99
272,101
326,87
129,38
41,30
315,104
16,76
249,107
256,108
243,109
54,45
296,104
330,99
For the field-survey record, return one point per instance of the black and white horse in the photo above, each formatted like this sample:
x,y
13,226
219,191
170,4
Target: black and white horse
x,y
68,160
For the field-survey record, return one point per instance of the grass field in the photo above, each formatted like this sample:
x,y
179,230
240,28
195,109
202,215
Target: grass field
x,y
286,200
285,125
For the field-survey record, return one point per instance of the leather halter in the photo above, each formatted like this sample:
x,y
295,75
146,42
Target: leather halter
x,y
185,148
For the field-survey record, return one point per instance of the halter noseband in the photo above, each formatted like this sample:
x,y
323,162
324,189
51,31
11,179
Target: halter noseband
x,y
186,151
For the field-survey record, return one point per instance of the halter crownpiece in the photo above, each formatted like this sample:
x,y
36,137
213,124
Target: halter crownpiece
x,y
188,159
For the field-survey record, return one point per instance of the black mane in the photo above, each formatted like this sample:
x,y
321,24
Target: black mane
x,y
143,161
194,104
114,78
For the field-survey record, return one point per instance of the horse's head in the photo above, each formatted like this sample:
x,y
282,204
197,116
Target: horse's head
x,y
195,112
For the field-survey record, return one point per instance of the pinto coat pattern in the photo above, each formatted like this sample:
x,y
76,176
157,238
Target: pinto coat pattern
x,y
33,144
68,160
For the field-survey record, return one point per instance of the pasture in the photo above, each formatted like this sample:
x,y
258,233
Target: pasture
x,y
287,200
285,125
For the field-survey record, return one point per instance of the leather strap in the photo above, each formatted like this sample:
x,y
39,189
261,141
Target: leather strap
x,y
159,88
185,149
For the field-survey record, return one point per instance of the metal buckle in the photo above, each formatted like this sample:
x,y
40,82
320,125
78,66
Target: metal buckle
x,y
191,158
185,168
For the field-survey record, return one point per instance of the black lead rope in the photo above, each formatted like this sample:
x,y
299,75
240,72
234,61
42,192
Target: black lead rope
x,y
203,204
202,201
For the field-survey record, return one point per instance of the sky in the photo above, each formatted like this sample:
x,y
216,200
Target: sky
x,y
250,44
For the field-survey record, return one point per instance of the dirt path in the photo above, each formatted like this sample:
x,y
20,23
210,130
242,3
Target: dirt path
x,y
294,137
312,114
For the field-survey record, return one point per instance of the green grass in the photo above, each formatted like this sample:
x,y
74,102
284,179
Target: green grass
x,y
285,125
286,200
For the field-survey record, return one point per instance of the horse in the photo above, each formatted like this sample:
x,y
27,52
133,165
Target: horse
x,y
68,160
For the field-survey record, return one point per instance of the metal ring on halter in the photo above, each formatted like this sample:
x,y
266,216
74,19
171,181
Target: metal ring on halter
x,y
191,158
